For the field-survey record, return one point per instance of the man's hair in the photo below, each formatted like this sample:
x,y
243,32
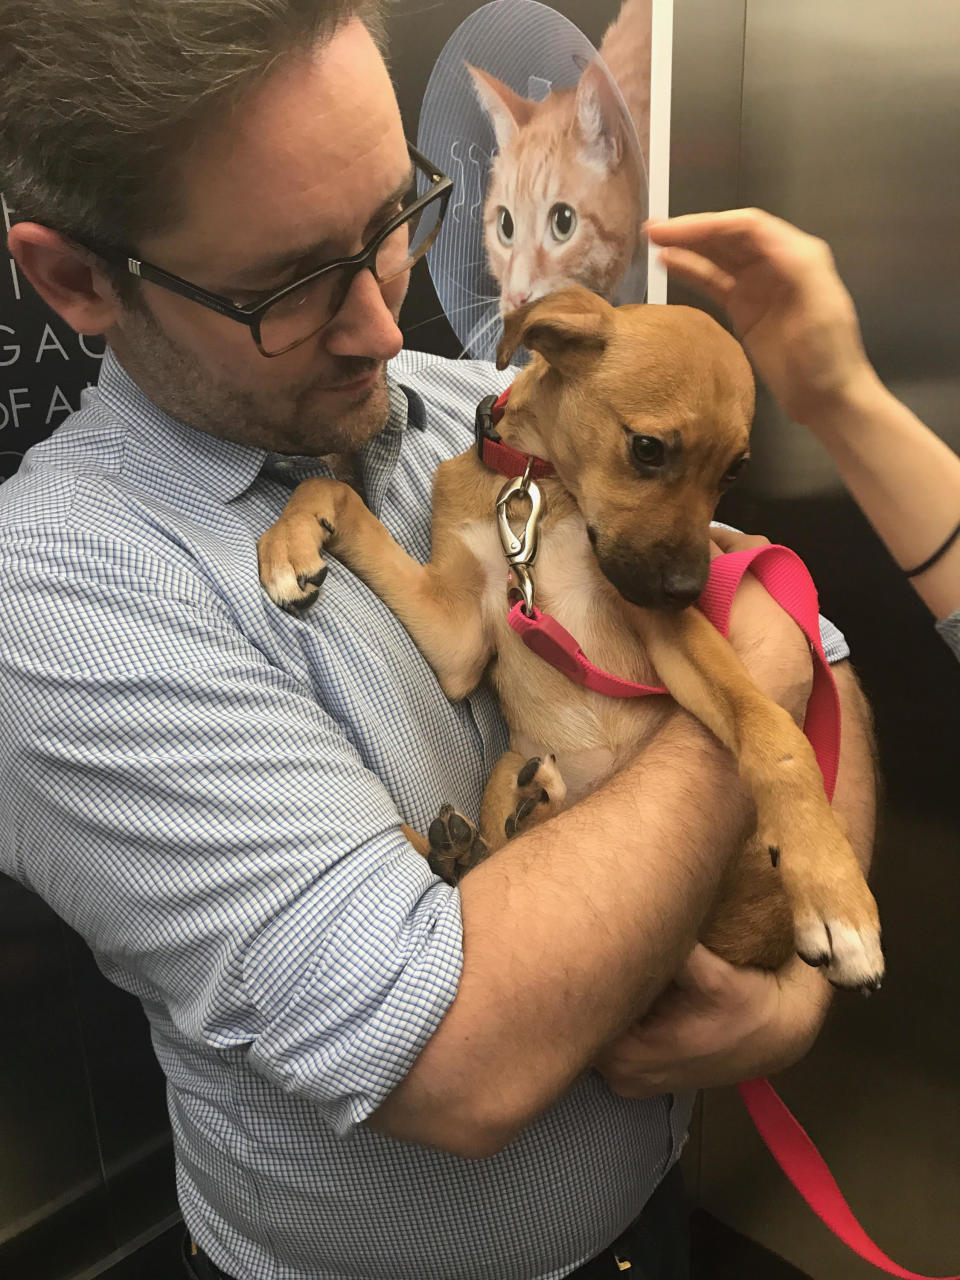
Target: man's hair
x,y
100,98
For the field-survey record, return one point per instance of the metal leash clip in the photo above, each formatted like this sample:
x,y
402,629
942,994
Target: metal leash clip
x,y
521,551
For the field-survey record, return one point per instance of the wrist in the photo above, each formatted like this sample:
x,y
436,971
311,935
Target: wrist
x,y
850,407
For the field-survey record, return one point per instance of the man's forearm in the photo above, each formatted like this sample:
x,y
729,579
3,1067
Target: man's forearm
x,y
569,931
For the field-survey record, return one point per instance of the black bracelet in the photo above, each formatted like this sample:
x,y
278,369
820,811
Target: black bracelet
x,y
941,551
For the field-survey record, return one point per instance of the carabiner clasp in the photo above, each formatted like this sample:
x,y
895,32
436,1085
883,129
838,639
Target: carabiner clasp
x,y
521,551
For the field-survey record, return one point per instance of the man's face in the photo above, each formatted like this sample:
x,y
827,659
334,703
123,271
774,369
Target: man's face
x,y
305,164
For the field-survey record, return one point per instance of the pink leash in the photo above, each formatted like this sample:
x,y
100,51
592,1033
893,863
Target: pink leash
x,y
786,578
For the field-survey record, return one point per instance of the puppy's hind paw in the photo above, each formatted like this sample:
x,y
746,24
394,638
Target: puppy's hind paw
x,y
455,845
539,793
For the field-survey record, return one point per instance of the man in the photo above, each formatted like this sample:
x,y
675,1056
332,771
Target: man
x,y
371,1074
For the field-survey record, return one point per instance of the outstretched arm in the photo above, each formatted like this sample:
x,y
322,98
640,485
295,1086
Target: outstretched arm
x,y
799,325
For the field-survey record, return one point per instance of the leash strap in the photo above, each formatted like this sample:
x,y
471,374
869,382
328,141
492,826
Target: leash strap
x,y
544,635
800,1160
786,578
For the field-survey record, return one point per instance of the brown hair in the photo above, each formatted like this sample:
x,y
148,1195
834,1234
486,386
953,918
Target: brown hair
x,y
99,98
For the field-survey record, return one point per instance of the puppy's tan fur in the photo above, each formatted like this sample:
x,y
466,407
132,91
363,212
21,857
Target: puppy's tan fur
x,y
617,539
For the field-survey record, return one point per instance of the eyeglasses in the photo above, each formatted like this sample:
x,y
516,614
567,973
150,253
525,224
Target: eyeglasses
x,y
292,315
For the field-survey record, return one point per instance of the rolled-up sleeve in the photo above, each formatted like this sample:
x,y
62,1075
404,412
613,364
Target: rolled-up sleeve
x,y
193,812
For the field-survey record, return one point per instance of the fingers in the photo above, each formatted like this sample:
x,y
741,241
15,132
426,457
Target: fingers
x,y
732,540
731,240
703,973
699,272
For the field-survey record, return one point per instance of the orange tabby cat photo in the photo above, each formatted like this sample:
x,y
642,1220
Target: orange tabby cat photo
x,y
567,188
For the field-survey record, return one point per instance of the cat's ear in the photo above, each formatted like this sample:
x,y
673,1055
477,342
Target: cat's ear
x,y
599,117
508,112
569,328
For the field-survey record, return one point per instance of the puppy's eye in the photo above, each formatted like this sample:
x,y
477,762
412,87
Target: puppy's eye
x,y
730,475
563,222
504,227
647,451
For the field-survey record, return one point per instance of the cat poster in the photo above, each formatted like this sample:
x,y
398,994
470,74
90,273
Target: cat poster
x,y
558,151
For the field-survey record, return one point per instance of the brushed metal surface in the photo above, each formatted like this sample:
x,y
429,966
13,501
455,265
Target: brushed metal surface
x,y
850,127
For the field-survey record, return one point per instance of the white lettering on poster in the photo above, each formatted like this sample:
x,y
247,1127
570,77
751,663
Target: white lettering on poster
x,y
11,411
58,404
9,354
49,342
82,338
15,277
14,274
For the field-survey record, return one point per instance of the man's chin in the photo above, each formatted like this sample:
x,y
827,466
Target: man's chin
x,y
349,416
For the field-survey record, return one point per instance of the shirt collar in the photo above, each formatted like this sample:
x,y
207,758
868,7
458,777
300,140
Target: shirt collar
x,y
231,467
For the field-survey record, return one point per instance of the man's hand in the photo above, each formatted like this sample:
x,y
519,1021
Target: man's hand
x,y
782,293
716,1025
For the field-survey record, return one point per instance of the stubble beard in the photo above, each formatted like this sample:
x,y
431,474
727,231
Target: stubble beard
x,y
297,421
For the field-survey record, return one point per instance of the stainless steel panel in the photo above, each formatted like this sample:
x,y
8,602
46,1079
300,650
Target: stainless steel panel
x,y
851,128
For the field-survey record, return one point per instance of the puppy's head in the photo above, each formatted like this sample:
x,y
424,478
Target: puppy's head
x,y
645,413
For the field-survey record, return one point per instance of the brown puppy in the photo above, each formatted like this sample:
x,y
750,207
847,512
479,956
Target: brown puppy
x,y
644,412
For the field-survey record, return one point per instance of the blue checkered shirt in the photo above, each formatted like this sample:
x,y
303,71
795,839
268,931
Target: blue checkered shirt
x,y
210,791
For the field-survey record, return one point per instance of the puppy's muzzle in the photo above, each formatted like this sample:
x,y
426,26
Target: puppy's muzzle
x,y
663,578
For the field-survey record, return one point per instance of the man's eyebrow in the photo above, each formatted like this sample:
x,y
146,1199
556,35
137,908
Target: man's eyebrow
x,y
268,268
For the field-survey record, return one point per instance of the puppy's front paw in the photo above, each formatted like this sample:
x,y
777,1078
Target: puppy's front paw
x,y
291,566
850,953
836,922
455,845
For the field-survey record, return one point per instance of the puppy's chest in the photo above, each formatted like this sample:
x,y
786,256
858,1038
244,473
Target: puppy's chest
x,y
541,704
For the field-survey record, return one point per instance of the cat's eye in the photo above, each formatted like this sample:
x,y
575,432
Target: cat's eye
x,y
647,452
504,227
730,475
563,222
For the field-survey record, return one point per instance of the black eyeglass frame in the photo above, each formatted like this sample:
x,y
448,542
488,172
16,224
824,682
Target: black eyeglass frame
x,y
251,314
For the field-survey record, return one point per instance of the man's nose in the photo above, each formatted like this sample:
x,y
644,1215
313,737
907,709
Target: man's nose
x,y
364,325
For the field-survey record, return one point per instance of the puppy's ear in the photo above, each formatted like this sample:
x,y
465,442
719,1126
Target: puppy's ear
x,y
570,329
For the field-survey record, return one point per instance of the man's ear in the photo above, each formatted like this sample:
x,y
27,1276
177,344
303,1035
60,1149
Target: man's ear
x,y
570,329
69,279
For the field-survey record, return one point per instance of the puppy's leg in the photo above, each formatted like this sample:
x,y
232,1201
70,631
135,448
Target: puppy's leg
x,y
439,603
522,792
751,922
835,917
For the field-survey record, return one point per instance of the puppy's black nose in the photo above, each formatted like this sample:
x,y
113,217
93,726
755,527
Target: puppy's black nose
x,y
681,589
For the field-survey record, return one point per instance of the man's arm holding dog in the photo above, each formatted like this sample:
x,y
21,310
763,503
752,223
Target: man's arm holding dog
x,y
578,925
